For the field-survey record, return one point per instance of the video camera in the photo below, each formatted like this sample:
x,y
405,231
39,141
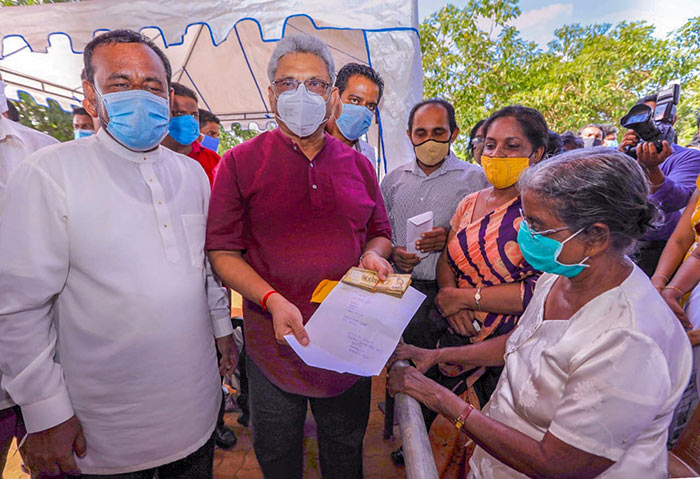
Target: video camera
x,y
654,125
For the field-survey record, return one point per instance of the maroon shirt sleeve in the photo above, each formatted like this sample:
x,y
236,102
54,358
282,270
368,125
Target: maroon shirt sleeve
x,y
225,221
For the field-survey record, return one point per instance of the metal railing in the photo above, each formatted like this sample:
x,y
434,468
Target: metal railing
x,y
417,453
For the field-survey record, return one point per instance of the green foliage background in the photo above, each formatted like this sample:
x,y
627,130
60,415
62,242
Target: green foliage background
x,y
587,74
474,59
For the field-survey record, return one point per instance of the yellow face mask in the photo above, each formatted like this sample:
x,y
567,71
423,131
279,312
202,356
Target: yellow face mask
x,y
503,172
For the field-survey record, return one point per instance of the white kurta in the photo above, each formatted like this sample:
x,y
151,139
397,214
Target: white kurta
x,y
103,265
16,143
606,381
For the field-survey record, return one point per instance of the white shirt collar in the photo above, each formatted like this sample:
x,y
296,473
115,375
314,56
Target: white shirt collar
x,y
120,150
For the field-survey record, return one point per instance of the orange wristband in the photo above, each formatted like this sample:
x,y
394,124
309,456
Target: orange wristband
x,y
263,302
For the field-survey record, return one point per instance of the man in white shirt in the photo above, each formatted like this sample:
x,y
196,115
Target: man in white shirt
x,y
16,142
360,89
108,308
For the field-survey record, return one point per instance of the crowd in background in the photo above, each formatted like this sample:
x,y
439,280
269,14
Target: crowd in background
x,y
560,279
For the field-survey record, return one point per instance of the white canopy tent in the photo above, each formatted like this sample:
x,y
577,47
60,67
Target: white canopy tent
x,y
220,48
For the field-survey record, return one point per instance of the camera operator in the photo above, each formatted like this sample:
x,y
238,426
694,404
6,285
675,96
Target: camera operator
x,y
672,173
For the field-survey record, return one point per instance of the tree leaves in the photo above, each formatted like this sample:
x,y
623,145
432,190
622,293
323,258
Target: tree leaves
x,y
586,74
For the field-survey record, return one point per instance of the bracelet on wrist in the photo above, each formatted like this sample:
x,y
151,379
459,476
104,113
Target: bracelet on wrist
x,y
459,422
263,301
675,289
477,298
665,278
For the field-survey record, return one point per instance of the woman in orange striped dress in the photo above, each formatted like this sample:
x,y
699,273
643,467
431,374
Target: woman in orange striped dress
x,y
485,284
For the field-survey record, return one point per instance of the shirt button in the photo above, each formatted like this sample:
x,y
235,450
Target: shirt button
x,y
144,158
151,180
311,165
160,202
314,187
295,148
165,226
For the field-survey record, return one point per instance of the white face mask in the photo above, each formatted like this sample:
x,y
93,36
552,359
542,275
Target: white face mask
x,y
303,112
3,98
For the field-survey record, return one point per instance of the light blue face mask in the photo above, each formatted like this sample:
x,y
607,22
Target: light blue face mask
x,y
354,121
80,133
542,252
184,129
137,119
211,143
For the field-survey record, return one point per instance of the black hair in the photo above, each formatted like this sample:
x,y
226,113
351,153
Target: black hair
x,y
181,90
472,133
530,120
451,118
205,116
80,111
554,145
592,125
570,141
121,36
351,69
12,113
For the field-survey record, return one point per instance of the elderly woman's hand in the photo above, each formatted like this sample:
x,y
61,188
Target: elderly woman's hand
x,y
672,297
449,301
407,379
424,359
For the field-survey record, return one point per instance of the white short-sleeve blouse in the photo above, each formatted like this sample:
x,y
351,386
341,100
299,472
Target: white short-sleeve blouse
x,y
606,381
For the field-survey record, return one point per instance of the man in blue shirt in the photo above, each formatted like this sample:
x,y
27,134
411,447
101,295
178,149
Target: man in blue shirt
x,y
672,174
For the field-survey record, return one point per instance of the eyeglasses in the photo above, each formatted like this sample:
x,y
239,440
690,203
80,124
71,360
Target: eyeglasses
x,y
534,233
314,85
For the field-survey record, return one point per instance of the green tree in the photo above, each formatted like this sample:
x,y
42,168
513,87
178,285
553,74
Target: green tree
x,y
52,120
237,135
587,74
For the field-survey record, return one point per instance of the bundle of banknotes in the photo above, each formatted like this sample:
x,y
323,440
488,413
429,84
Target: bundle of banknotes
x,y
394,284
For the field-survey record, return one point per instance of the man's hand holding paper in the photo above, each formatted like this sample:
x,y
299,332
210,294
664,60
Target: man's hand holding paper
x,y
355,330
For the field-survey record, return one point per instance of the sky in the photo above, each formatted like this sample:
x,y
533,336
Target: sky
x,y
539,18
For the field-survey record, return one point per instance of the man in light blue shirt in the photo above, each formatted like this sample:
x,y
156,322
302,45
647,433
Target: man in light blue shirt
x,y
435,180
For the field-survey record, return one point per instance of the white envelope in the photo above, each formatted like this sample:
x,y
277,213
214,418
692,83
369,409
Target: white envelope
x,y
415,227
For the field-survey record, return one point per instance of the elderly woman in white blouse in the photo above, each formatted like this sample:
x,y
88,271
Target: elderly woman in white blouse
x,y
598,362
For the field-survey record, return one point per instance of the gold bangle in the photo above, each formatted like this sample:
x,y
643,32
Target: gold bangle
x,y
677,289
660,276
459,422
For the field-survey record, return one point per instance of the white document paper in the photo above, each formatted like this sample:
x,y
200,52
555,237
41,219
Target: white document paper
x,y
355,331
415,227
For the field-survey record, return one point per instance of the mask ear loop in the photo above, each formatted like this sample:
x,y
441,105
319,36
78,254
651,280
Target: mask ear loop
x,y
580,263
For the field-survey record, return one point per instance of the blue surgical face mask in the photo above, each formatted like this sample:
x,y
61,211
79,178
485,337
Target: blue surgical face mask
x,y
354,121
211,143
137,119
80,133
184,129
611,143
542,252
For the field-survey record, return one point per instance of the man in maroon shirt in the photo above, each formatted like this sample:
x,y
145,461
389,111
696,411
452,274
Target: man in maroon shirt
x,y
184,131
292,207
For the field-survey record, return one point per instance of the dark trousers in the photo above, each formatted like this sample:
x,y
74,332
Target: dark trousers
x,y
198,465
427,324
277,420
648,255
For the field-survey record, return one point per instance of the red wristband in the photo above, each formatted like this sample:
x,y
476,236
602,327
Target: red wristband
x,y
263,302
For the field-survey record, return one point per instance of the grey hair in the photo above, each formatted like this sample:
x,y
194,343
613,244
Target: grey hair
x,y
301,43
595,185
